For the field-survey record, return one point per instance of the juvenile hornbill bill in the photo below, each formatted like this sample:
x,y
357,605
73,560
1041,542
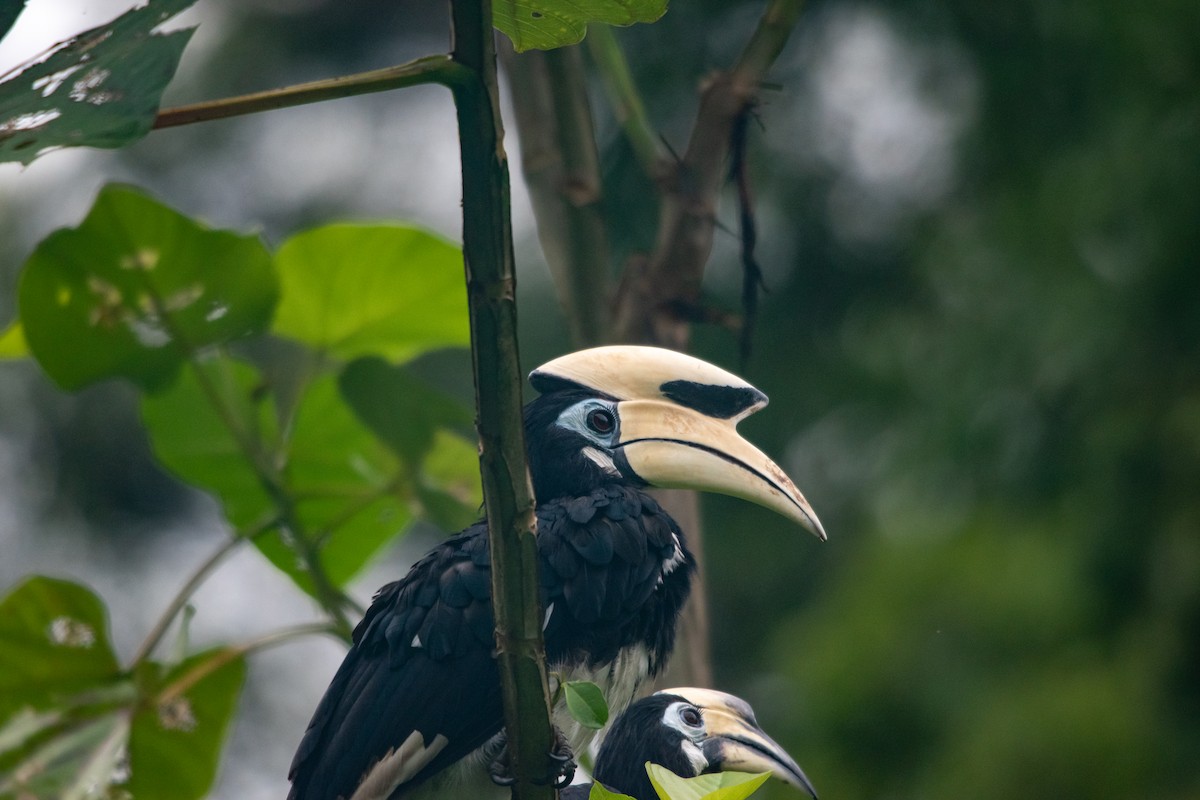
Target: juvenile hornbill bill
x,y
415,709
690,732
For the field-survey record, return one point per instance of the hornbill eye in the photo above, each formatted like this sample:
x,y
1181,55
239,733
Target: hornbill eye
x,y
690,716
601,421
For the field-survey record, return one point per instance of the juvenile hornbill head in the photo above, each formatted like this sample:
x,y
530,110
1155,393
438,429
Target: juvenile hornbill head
x,y
690,732
649,416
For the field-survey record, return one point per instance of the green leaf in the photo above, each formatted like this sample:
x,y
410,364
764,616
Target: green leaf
x,y
386,290
336,465
717,786
55,636
600,792
175,742
449,489
137,287
12,342
546,24
403,410
586,703
340,479
100,88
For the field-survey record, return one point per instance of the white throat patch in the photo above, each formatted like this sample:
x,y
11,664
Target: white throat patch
x,y
603,460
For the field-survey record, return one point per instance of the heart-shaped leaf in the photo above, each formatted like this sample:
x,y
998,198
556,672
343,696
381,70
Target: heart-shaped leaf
x,y
357,290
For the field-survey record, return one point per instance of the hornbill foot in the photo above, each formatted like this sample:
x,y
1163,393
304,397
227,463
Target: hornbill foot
x,y
500,770
563,759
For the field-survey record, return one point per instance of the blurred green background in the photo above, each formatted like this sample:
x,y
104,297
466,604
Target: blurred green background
x,y
980,227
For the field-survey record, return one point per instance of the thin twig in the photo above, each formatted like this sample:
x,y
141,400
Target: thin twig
x,y
431,69
752,279
626,101
234,652
185,592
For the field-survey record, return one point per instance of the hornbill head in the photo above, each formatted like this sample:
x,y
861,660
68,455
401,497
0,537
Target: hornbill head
x,y
649,416
690,732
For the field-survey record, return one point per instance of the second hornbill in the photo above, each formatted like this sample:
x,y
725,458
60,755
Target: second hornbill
x,y
690,732
415,707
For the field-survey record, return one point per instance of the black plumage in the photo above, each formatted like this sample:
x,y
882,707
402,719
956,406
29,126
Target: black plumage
x,y
614,573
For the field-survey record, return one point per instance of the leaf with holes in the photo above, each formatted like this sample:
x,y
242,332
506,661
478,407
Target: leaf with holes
x,y
586,703
136,289
176,737
56,644
717,786
100,88
358,290
546,24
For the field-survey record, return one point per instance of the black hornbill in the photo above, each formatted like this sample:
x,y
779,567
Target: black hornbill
x,y
690,732
415,707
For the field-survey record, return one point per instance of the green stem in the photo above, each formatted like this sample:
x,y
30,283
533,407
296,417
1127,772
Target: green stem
x,y
626,101
183,595
508,495
773,30
431,69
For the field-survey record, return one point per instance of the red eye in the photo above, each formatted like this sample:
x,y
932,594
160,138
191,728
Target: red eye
x,y
601,421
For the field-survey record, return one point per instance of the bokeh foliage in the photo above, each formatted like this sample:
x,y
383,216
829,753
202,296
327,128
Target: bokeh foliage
x,y
993,403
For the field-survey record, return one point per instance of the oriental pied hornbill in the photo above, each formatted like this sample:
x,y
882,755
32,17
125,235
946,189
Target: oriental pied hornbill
x,y
415,708
690,732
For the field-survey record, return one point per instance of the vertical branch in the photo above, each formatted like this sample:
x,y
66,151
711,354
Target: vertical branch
x,y
654,289
562,168
508,495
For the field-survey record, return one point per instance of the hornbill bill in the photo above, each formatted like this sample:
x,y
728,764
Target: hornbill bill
x,y
415,708
690,732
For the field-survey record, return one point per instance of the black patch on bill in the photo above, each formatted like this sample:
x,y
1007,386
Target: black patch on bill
x,y
721,402
546,383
